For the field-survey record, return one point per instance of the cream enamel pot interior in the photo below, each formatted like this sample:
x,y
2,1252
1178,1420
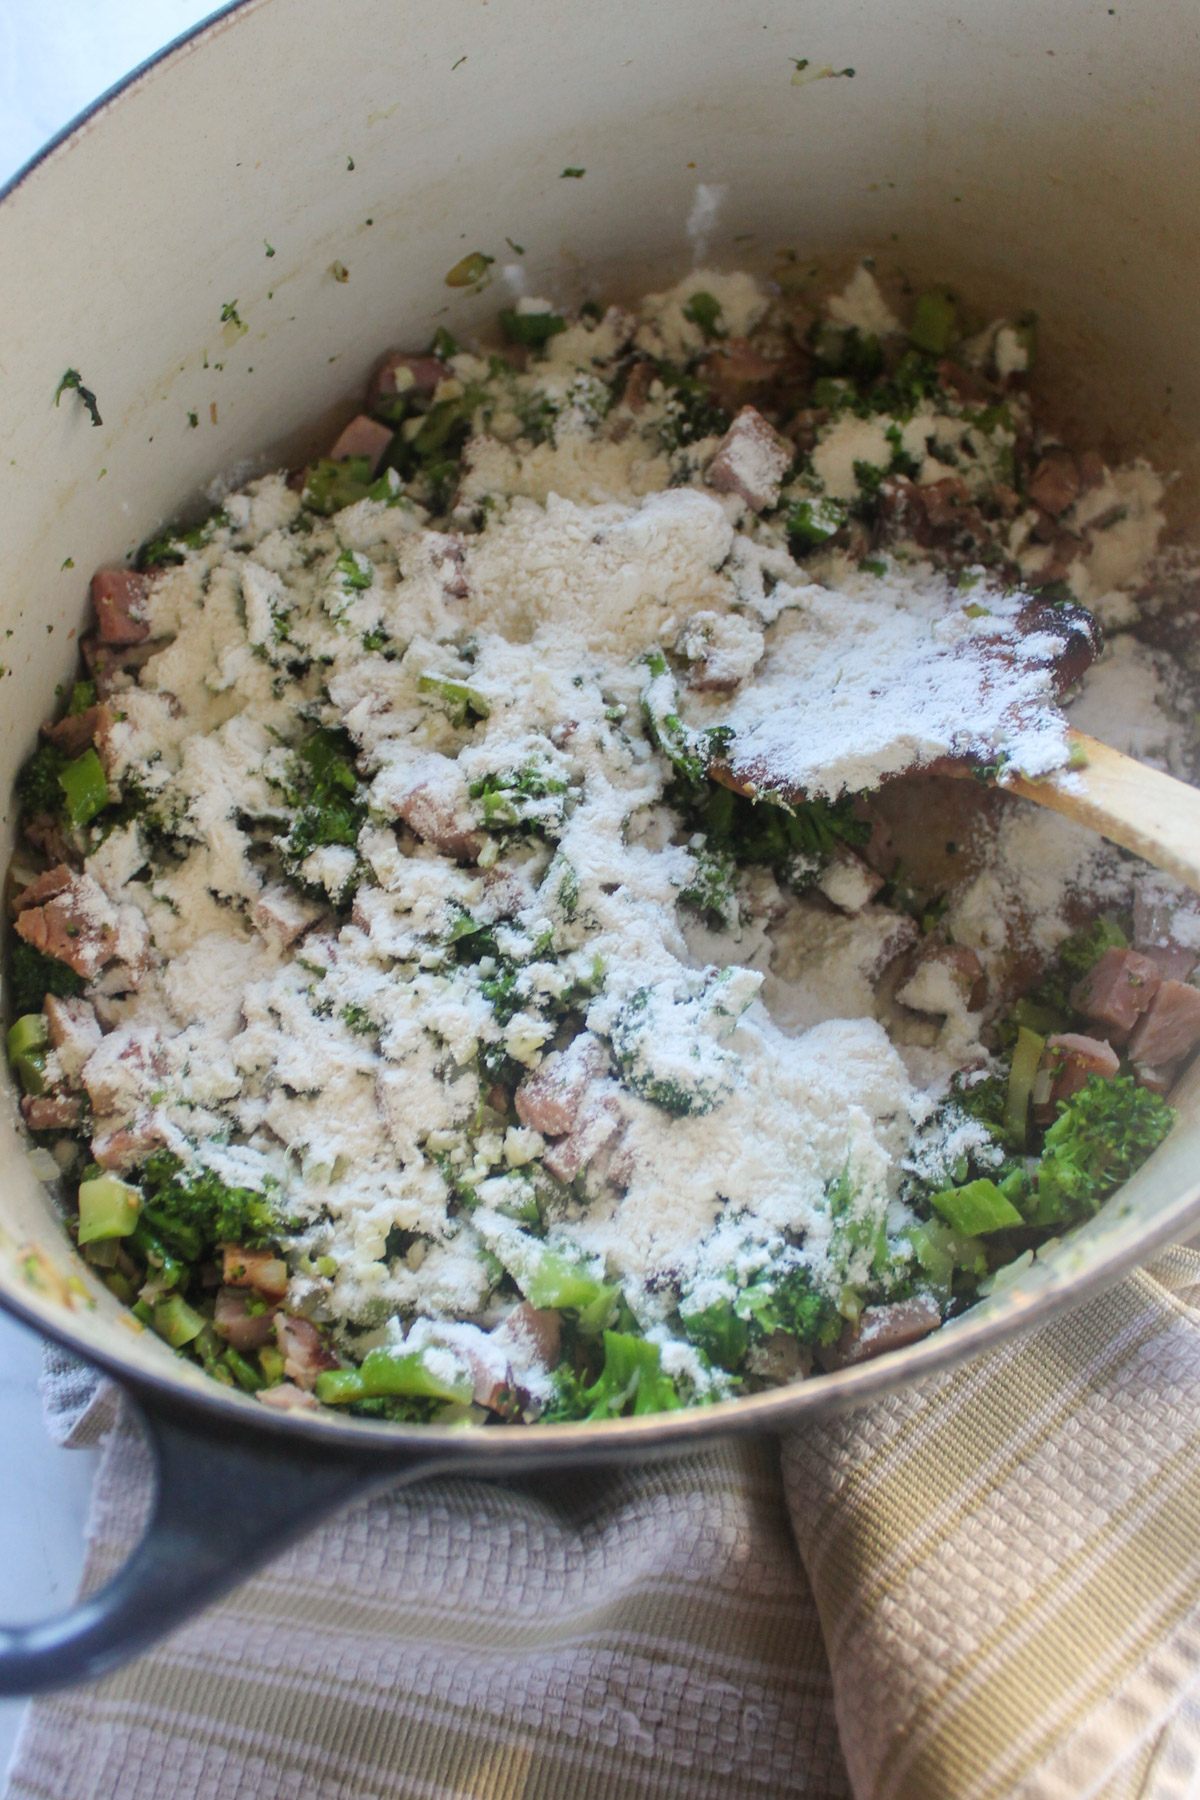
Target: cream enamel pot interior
x,y
1037,152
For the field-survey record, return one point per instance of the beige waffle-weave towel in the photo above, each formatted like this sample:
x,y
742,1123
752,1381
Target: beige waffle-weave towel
x,y
997,1595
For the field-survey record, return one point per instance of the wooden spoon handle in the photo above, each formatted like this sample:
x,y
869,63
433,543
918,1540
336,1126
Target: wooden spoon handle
x,y
1141,809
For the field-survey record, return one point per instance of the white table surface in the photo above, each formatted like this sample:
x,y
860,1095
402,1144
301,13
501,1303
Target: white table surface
x,y
55,57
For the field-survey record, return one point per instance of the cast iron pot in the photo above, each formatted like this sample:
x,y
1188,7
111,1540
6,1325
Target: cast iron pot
x,y
323,167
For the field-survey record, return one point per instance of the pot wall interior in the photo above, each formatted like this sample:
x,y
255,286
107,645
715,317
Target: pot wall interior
x,y
1036,154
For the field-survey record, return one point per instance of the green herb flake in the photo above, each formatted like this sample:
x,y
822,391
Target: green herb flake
x,y
572,175
73,382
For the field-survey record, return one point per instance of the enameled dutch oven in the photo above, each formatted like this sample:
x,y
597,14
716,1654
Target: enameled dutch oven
x,y
1041,153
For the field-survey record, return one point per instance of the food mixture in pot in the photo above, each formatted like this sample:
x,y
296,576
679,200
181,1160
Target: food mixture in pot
x,y
498,934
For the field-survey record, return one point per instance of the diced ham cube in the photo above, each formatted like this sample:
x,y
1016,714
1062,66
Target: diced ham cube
x,y
113,666
119,597
751,460
74,1033
737,372
945,977
433,802
73,734
1071,1060
540,1329
403,372
1117,990
848,882
260,1269
305,1355
945,502
1055,483
51,1112
238,1325
549,1100
883,1328
447,553
124,1069
779,1359
286,1397
594,1130
363,436
78,925
44,887
1170,1027
281,916
721,648
123,1147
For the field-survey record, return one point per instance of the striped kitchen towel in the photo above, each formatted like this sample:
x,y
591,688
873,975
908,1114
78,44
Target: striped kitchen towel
x,y
996,1597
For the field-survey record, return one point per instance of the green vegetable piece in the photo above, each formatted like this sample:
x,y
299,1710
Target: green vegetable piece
x,y
814,522
468,270
934,321
1027,1058
444,345
168,1271
390,1372
1101,1136
337,1386
940,1251
329,486
349,566
631,1372
719,1332
30,1071
108,1208
85,787
556,1282
192,1206
83,696
1045,1020
38,788
271,1361
704,310
177,1322
33,976
72,380
30,1033
532,328
244,1372
457,699
977,1208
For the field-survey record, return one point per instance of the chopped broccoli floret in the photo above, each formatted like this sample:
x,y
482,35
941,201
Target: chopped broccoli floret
x,y
38,786
332,804
1101,1136
704,310
792,841
692,413
631,1381
532,328
33,976
193,1210
711,889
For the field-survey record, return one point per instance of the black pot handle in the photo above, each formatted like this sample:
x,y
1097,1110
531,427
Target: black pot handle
x,y
226,1501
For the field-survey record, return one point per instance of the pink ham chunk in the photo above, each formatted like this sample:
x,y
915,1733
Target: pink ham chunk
x,y
1072,1060
305,1355
119,597
236,1322
52,1112
362,437
1117,990
77,925
287,1397
281,916
123,1147
433,802
882,1328
404,372
260,1269
74,1033
597,1125
77,731
1169,1029
549,1100
751,460
44,887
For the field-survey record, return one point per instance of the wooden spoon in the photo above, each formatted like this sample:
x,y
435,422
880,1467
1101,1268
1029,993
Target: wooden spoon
x,y
1143,810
